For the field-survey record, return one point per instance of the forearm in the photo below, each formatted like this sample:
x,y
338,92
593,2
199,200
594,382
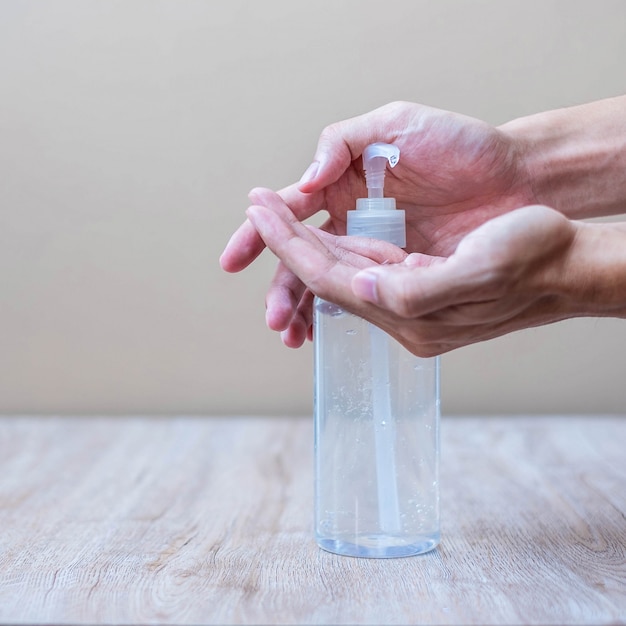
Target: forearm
x,y
575,158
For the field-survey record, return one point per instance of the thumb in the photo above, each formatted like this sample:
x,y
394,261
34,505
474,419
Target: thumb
x,y
343,142
419,285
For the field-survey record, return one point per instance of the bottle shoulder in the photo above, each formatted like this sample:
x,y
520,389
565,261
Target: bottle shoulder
x,y
324,307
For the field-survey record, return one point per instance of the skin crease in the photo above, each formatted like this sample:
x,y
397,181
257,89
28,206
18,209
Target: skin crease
x,y
480,262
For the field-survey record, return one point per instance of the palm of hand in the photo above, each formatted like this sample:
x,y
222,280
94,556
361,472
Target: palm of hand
x,y
499,279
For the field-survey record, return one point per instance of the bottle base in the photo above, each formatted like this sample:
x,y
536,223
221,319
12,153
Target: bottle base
x,y
379,546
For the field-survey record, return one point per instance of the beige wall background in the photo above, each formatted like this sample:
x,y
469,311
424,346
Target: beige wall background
x,y
131,131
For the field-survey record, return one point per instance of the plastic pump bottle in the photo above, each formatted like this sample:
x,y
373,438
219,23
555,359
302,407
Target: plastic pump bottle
x,y
376,414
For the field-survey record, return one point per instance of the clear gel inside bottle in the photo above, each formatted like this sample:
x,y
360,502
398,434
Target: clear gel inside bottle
x,y
376,415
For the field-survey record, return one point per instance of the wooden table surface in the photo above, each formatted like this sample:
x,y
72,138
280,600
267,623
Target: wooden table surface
x,y
192,520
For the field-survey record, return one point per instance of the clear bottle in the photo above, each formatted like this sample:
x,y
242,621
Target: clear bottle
x,y
376,415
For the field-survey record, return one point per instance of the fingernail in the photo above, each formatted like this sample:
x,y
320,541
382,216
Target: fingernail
x,y
310,173
365,286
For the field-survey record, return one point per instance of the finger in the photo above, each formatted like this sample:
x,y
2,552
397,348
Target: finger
x,y
303,253
361,252
283,297
343,142
302,205
276,204
419,259
415,291
301,324
244,246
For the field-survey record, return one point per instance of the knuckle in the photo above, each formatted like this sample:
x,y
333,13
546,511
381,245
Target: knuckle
x,y
332,132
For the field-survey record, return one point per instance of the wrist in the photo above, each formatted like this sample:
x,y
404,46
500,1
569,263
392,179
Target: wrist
x,y
592,279
575,158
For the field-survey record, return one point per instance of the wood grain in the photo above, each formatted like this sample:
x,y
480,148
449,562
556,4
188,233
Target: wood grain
x,y
191,520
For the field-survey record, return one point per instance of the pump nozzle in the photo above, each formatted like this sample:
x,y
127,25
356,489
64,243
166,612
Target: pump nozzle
x,y
375,159
376,216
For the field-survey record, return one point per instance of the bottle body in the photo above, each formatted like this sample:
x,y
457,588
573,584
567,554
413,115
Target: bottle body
x,y
376,440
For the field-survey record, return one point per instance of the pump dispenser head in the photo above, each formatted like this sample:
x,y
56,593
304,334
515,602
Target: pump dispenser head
x,y
376,216
375,159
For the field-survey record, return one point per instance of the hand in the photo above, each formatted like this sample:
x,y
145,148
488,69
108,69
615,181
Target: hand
x,y
512,272
454,173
